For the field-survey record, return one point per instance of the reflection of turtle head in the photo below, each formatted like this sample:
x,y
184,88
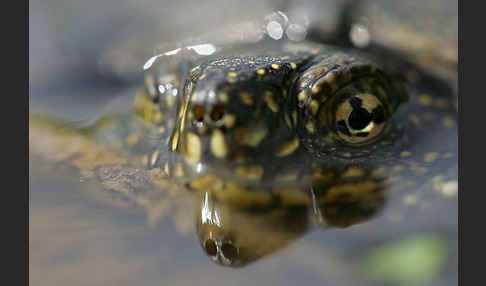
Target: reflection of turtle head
x,y
234,234
353,198
235,237
219,248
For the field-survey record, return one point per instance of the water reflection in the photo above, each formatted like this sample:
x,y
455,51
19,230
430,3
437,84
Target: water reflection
x,y
235,235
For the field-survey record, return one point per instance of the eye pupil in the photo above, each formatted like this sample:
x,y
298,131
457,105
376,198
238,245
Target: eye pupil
x,y
359,117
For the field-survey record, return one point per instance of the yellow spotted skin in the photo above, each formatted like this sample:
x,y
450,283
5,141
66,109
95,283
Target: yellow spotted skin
x,y
251,121
279,137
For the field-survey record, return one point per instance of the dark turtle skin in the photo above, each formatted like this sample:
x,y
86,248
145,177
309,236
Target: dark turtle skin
x,y
277,114
277,137
259,115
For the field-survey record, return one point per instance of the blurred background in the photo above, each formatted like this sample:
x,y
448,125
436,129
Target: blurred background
x,y
101,45
83,54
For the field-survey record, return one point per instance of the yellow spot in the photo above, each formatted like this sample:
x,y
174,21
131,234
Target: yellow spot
x,y
251,62
251,138
293,65
346,154
232,74
218,144
271,101
157,117
193,148
132,139
253,172
229,120
448,122
425,100
354,191
316,89
315,51
291,196
314,106
353,172
161,130
302,96
246,98
154,157
287,148
261,71
275,66
310,127
431,157
202,76
223,96
405,154
285,58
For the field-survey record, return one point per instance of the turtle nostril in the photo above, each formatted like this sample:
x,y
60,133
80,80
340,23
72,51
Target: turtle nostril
x,y
210,247
217,113
198,112
229,251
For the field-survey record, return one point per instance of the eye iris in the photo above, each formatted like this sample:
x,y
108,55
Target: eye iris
x,y
360,118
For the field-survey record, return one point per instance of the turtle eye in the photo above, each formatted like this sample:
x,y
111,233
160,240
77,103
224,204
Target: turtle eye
x,y
360,118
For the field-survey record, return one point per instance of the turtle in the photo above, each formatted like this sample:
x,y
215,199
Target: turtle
x,y
274,136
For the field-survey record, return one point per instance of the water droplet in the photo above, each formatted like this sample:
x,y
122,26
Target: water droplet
x,y
359,35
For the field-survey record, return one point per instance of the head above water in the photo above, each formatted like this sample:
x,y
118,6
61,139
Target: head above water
x,y
253,114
